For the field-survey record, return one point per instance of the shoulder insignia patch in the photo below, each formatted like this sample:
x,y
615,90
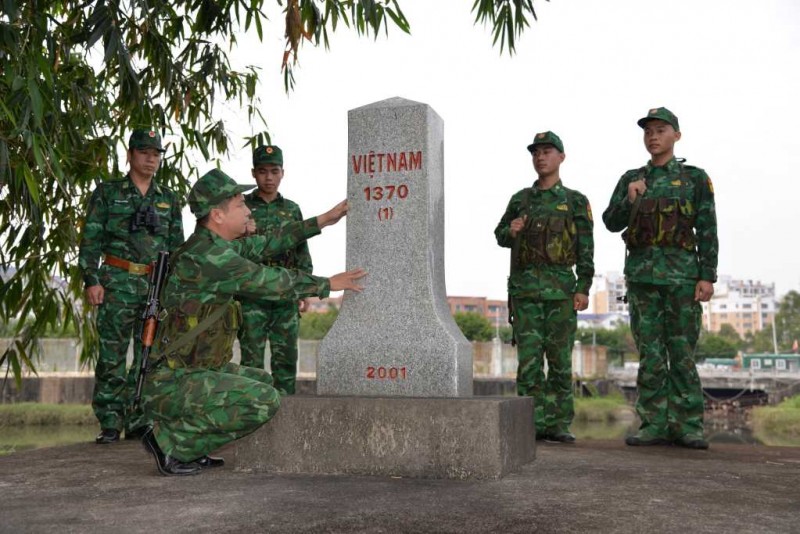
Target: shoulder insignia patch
x,y
589,211
710,185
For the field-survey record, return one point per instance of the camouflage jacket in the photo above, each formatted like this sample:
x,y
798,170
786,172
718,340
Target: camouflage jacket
x,y
107,230
271,215
208,272
666,265
546,280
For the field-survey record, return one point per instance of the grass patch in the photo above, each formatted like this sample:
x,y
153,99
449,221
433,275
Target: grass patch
x,y
32,413
778,425
608,409
38,436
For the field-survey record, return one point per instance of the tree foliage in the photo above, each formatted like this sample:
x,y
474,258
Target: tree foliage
x,y
715,346
787,321
618,341
316,325
77,75
474,326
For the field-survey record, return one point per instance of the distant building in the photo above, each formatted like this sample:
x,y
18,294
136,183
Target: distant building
x,y
494,310
746,305
606,295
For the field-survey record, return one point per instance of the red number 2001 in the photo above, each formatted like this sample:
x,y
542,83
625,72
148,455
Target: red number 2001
x,y
386,373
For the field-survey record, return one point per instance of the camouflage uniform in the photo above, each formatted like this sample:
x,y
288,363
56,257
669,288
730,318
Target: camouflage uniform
x,y
557,235
276,321
195,397
672,243
107,232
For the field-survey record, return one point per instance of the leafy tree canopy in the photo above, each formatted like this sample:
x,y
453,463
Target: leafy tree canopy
x,y
474,326
76,75
316,325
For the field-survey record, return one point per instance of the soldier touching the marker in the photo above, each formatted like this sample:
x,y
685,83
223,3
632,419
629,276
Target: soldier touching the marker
x,y
195,397
128,221
277,321
549,229
667,211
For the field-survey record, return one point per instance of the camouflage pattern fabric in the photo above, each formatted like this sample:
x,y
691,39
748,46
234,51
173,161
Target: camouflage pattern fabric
x,y
667,265
196,410
541,287
117,320
276,322
107,230
538,276
546,328
196,399
665,321
279,324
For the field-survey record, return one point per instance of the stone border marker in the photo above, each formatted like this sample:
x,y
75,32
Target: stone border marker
x,y
397,337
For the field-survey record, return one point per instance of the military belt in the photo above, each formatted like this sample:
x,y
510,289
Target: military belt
x,y
125,265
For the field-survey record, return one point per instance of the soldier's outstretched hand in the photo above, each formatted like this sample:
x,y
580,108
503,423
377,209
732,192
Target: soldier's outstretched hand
x,y
347,280
333,215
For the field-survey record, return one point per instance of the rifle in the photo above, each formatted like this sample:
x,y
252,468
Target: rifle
x,y
158,276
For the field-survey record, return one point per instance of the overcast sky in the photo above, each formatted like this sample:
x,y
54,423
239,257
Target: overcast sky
x,y
588,69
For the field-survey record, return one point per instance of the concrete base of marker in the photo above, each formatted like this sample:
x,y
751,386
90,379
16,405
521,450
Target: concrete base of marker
x,y
477,437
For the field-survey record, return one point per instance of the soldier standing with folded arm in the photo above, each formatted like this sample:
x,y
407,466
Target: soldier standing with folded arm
x,y
128,221
196,398
667,211
549,229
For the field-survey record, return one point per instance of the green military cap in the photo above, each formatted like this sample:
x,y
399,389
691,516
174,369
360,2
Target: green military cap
x,y
546,138
265,154
662,114
211,189
143,138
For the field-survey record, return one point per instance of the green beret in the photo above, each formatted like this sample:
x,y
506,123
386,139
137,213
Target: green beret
x,y
546,138
211,189
661,114
267,154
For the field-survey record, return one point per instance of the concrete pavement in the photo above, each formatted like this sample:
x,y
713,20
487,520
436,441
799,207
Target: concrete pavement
x,y
594,486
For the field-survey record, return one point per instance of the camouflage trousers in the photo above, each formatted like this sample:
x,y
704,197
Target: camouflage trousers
x,y
195,411
665,321
279,323
546,329
118,320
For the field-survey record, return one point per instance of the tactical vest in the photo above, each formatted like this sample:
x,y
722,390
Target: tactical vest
x,y
549,238
212,347
191,337
663,221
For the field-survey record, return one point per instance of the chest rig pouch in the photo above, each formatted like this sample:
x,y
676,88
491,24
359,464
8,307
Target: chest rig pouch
x,y
666,220
548,237
200,335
